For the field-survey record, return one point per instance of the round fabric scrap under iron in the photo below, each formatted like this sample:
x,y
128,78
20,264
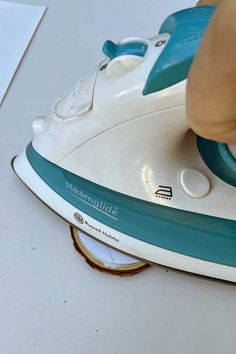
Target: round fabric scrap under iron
x,y
104,258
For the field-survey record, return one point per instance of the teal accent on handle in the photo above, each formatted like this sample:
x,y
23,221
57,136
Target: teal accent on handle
x,y
112,50
192,234
218,159
186,28
228,158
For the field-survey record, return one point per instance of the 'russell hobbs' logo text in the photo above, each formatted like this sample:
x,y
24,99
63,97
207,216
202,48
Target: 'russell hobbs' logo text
x,y
103,232
103,207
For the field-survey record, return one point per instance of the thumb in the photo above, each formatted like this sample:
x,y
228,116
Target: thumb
x,y
211,87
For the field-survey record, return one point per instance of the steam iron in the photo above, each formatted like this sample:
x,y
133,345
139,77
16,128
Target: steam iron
x,y
116,158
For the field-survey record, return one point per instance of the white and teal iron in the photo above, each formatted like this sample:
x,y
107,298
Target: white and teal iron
x,y
116,158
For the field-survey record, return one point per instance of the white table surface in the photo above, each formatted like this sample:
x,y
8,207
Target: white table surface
x,y
51,302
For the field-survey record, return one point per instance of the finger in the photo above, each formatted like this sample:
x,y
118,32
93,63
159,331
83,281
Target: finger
x,y
211,87
207,2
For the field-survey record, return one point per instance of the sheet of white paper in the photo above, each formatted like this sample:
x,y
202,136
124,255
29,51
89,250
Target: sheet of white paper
x,y
18,23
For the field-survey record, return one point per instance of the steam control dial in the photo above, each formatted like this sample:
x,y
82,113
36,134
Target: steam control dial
x,y
124,56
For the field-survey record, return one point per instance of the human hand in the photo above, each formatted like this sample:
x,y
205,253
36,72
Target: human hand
x,y
208,2
211,87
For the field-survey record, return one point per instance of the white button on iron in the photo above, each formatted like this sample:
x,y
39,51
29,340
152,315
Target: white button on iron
x,y
194,183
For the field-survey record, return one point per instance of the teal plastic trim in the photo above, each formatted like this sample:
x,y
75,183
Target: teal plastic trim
x,y
218,159
186,28
228,158
112,50
192,234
